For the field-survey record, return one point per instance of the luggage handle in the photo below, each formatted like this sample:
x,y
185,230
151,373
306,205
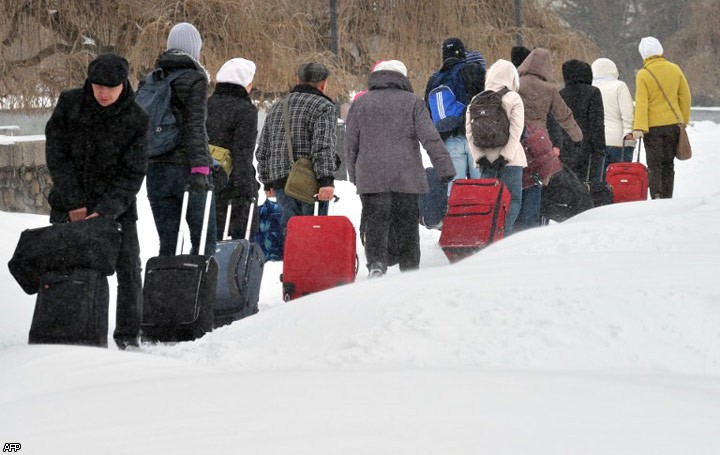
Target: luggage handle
x,y
253,203
639,148
183,223
317,204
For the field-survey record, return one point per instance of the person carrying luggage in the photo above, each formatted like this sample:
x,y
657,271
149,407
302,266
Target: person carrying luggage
x,y
618,110
507,161
382,146
232,130
313,134
95,153
188,163
662,101
540,98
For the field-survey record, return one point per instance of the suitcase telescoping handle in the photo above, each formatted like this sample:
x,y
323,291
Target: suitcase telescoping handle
x,y
639,147
317,203
226,230
183,223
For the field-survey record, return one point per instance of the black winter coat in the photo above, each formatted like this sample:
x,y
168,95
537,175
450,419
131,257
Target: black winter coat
x,y
96,155
585,102
189,103
232,124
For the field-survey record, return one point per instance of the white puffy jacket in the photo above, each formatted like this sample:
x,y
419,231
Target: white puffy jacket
x,y
617,101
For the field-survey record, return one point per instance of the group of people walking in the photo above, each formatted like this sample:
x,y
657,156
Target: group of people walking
x,y
96,145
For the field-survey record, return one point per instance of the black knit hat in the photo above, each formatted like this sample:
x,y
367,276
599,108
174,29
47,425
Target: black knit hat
x,y
312,72
109,70
453,47
518,54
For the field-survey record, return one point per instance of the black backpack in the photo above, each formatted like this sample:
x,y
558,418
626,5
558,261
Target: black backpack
x,y
489,122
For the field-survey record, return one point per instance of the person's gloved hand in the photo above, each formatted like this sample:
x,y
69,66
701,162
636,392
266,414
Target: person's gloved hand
x,y
446,179
637,134
198,183
496,165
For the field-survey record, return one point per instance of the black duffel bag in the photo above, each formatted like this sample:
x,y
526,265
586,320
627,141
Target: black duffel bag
x,y
88,244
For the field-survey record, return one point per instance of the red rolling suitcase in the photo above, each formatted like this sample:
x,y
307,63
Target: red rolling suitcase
x,y
319,254
476,214
629,181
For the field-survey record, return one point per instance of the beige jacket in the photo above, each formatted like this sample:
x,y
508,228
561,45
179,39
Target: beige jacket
x,y
503,74
617,102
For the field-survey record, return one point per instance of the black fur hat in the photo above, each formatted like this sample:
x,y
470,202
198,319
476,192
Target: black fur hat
x,y
109,70
518,54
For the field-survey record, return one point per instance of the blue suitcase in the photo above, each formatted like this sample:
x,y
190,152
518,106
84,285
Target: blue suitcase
x,y
240,270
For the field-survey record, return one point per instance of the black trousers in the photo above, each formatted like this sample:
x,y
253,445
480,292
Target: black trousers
x,y
129,285
660,145
390,230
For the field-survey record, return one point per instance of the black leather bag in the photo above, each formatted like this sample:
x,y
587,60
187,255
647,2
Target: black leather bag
x,y
89,244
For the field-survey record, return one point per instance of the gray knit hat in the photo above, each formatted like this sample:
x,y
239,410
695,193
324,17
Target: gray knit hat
x,y
185,37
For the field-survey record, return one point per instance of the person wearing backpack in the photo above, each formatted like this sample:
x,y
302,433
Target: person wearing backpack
x,y
447,94
188,163
541,98
95,153
232,126
499,155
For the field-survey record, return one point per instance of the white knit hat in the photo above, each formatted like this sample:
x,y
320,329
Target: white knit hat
x,y
391,65
185,37
650,46
237,71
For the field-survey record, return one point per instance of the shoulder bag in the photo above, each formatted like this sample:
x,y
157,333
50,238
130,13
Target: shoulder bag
x,y
301,183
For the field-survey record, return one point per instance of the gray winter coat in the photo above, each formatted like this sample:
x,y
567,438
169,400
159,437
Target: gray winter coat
x,y
385,127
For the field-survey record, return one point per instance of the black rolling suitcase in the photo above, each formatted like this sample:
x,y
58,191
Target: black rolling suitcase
x,y
71,308
240,270
179,291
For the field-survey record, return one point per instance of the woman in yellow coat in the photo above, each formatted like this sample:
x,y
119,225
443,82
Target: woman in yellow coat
x,y
656,118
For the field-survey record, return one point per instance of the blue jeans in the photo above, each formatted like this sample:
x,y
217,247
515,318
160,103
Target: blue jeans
x,y
511,176
614,155
462,159
291,207
165,188
529,216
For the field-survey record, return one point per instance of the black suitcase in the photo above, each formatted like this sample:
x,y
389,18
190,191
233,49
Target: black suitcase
x,y
240,270
565,196
600,192
179,291
88,244
71,308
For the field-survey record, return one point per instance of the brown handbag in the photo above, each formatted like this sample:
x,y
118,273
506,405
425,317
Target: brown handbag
x,y
683,150
302,182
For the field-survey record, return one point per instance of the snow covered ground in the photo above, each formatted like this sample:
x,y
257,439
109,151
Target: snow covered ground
x,y
599,335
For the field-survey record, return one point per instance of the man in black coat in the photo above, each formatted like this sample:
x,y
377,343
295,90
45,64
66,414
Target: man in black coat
x,y
232,125
95,152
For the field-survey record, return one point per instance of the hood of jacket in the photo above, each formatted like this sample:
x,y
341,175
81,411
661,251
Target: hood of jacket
x,y
502,74
604,68
174,59
539,64
385,79
576,72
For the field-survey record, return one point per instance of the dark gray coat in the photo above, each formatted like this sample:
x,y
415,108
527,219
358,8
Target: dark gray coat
x,y
384,130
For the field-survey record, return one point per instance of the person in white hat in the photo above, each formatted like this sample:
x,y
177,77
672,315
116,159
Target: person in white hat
x,y
657,117
384,130
188,164
232,125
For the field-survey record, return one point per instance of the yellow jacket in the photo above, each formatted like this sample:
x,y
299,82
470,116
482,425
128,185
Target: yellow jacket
x,y
651,109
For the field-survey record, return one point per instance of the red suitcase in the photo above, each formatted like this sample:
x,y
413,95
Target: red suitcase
x,y
319,254
476,214
629,181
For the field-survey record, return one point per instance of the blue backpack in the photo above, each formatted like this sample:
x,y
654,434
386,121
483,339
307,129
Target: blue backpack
x,y
155,96
447,99
269,234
